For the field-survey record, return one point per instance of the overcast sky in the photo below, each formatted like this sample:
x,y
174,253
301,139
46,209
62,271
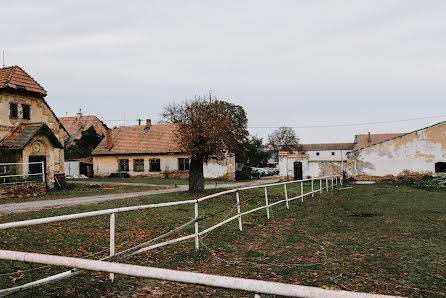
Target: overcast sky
x,y
293,63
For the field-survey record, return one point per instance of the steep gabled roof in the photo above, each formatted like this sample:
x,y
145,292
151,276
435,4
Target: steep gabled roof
x,y
365,140
24,133
16,78
76,125
155,139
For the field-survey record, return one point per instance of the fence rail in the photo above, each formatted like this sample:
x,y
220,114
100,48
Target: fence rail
x,y
330,182
8,176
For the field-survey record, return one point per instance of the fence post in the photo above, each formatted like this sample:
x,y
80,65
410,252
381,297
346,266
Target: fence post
x,y
286,197
197,244
267,204
326,184
332,185
302,191
320,185
112,241
336,178
43,172
237,196
312,187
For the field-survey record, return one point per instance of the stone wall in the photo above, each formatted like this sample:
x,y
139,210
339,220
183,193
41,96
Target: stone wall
x,y
22,190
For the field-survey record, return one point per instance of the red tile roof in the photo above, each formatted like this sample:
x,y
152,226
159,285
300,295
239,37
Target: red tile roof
x,y
23,134
16,78
75,126
365,140
327,146
156,139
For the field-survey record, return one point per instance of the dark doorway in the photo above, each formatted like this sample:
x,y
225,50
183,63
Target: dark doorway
x,y
37,167
298,170
440,167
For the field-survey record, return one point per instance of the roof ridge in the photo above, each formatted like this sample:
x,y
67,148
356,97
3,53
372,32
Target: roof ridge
x,y
10,75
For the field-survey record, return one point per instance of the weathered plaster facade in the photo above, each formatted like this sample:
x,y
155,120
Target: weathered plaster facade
x,y
39,112
410,155
105,165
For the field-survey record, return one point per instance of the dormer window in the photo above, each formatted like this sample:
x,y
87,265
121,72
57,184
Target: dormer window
x,y
26,112
13,110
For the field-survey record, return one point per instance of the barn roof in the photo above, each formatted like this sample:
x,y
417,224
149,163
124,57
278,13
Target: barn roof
x,y
139,139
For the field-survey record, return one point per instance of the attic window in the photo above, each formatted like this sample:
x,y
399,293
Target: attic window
x,y
317,153
26,112
13,110
332,153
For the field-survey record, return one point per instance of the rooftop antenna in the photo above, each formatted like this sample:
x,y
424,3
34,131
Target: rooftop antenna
x,y
3,58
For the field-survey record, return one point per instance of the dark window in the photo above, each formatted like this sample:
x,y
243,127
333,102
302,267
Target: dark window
x,y
440,167
332,153
13,110
26,112
123,165
155,165
317,153
183,164
138,165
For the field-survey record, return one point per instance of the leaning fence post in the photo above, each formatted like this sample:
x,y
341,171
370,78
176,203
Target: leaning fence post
x,y
112,241
237,196
336,179
312,187
286,196
267,204
302,191
197,244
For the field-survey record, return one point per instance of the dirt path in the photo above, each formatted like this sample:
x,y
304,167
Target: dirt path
x,y
45,204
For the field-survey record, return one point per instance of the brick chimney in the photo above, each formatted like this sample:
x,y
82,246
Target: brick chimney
x,y
148,122
109,139
369,139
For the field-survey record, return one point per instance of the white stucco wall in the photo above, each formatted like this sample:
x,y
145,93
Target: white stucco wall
x,y
215,169
327,155
412,154
286,166
72,168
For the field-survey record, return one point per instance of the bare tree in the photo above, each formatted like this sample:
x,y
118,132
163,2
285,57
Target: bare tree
x,y
207,128
284,138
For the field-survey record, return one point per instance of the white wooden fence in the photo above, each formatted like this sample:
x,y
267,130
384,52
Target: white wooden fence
x,y
25,175
324,183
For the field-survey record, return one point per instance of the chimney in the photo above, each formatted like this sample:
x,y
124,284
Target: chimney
x,y
369,139
79,114
109,139
148,122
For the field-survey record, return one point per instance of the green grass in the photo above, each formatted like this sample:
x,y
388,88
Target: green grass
x,y
160,181
381,238
72,190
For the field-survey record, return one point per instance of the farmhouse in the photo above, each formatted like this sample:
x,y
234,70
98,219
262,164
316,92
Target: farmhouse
x,y
415,154
150,151
80,123
29,129
318,160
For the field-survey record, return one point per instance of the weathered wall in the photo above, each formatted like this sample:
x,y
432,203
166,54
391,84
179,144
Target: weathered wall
x,y
22,190
104,166
39,112
286,166
411,155
326,155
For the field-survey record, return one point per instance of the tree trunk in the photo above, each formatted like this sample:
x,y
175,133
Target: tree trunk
x,y
196,177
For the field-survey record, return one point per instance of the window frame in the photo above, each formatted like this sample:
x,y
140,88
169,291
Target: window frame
x,y
125,163
182,164
138,165
152,163
11,104
29,111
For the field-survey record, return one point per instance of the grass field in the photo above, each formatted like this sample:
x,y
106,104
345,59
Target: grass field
x,y
381,238
76,190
